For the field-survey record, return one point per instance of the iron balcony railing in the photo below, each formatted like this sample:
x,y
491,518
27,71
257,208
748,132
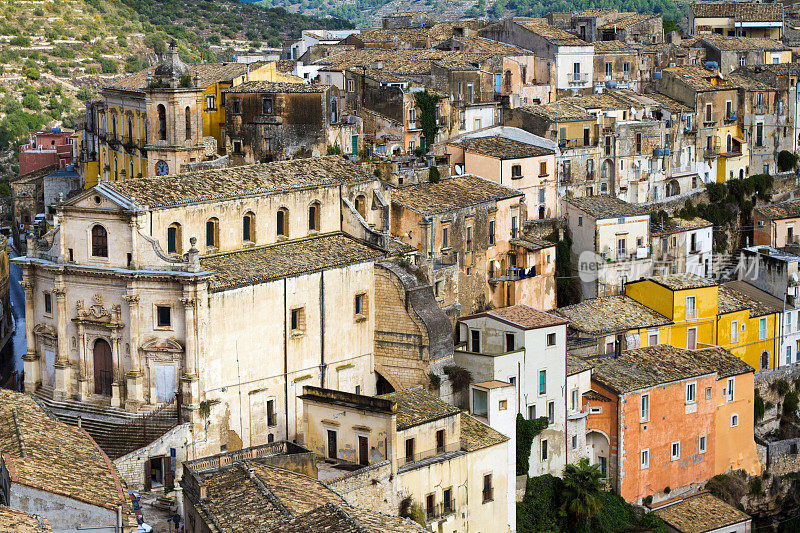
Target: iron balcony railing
x,y
440,510
426,454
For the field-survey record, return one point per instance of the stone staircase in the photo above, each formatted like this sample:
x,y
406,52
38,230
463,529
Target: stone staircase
x,y
116,431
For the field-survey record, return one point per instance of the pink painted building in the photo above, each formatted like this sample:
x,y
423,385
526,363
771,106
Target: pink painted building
x,y
46,148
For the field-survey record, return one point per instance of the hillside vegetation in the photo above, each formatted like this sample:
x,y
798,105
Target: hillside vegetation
x,y
367,13
56,54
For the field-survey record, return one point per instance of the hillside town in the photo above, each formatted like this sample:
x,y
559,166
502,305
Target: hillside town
x,y
466,276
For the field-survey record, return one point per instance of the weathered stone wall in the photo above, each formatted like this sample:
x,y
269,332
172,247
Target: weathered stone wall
x,y
131,466
372,487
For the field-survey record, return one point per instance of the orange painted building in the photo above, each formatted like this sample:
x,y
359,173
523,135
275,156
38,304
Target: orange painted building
x,y
657,418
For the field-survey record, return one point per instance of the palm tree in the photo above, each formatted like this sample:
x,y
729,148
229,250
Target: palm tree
x,y
581,489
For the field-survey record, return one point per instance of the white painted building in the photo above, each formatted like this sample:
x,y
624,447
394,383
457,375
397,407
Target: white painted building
x,y
309,38
683,247
526,348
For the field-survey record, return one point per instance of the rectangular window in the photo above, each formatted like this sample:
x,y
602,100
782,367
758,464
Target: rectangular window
x,y
48,303
762,328
541,194
709,392
580,221
409,450
544,450
574,442
491,232
163,313
470,93
531,412
691,392
574,395
479,403
469,238
645,411
729,389
360,305
445,237
734,421
542,381
298,319
638,143
439,441
272,418
516,171
475,338
211,102
543,168
513,227
708,112
645,459
701,444
691,338
236,106
266,105
551,412
734,331
675,451
510,347
488,490
759,134
430,506
551,339
653,339
691,307
447,501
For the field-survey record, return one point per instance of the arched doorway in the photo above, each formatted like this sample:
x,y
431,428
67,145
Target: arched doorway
x,y
764,360
673,188
103,374
599,450
541,212
383,386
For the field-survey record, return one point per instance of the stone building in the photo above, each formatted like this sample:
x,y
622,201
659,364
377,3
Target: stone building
x,y
616,65
126,307
56,471
730,53
415,445
47,148
682,246
468,233
740,19
268,121
598,25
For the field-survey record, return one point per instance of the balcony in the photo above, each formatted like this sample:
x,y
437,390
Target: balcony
x,y
759,109
576,415
440,510
427,454
512,274
660,152
730,117
578,78
446,259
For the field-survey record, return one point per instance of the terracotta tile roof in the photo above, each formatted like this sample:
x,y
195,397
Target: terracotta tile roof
x,y
493,384
559,112
702,80
606,47
286,65
286,259
648,366
523,316
626,20
594,12
724,42
604,206
741,11
780,211
475,435
738,295
417,406
682,282
553,35
701,513
452,193
504,148
210,73
596,396
338,518
531,243
19,522
495,47
724,362
389,36
277,87
669,103
675,225
204,186
610,314
576,365
48,455
605,101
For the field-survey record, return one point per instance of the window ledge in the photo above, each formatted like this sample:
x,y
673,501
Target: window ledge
x,y
361,318
297,333
283,237
163,328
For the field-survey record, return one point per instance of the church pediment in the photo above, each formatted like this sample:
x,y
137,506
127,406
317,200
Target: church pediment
x,y
162,345
96,312
45,330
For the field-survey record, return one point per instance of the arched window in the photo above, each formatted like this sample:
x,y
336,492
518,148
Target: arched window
x,y
212,233
361,206
249,227
764,360
99,241
114,127
130,130
174,239
729,143
541,212
162,122
131,174
313,217
282,225
188,123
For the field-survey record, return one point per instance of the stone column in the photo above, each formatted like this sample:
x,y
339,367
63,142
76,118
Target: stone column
x,y
190,379
31,364
134,225
62,368
116,357
134,377
83,380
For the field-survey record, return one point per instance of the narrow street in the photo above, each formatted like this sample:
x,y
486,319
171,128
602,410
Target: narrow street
x,y
18,310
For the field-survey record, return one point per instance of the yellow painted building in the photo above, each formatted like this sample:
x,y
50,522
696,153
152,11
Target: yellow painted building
x,y
135,135
703,314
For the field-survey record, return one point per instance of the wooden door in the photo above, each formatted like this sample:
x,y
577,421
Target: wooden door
x,y
102,368
363,450
332,444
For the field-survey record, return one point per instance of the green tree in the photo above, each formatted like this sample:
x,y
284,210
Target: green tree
x,y
433,174
786,160
428,115
581,489
108,66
